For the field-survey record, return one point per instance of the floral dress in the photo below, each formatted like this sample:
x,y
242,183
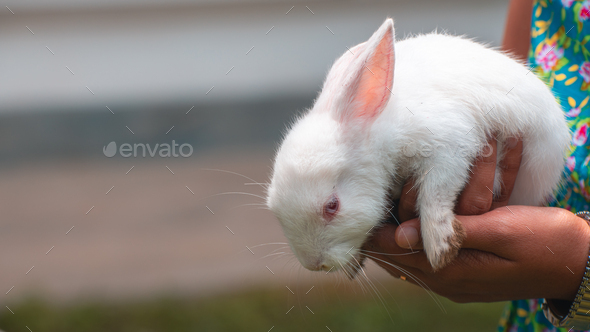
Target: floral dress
x,y
560,55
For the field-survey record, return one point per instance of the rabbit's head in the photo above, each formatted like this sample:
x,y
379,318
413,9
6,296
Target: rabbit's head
x,y
329,187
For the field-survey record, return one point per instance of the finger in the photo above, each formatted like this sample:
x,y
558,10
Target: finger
x,y
383,242
509,166
494,231
407,235
407,201
477,196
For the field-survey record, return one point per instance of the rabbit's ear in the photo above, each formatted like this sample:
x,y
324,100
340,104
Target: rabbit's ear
x,y
368,80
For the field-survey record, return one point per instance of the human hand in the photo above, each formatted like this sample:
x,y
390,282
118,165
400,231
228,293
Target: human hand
x,y
501,258
517,253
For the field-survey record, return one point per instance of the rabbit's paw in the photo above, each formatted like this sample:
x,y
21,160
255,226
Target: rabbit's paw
x,y
442,243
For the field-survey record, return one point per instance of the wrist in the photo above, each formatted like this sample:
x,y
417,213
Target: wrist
x,y
573,313
577,256
566,245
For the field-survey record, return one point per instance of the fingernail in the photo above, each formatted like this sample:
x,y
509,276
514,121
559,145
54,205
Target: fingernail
x,y
407,237
511,142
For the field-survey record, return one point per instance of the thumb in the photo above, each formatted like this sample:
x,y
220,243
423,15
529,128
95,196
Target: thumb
x,y
407,235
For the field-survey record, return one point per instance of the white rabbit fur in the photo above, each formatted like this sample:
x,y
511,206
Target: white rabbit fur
x,y
360,143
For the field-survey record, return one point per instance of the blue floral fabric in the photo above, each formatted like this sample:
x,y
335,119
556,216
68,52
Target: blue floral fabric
x,y
560,55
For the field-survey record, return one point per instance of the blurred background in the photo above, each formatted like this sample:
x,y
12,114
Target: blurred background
x,y
164,243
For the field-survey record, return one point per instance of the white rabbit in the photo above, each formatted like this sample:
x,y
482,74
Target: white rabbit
x,y
423,109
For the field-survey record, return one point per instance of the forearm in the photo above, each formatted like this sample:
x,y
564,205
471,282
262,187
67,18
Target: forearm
x,y
517,32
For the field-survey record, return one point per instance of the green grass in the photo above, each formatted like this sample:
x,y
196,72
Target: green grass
x,y
340,309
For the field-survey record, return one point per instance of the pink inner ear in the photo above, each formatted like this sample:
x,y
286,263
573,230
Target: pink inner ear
x,y
376,80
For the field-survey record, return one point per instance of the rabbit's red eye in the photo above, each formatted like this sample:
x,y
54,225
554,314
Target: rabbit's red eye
x,y
331,207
